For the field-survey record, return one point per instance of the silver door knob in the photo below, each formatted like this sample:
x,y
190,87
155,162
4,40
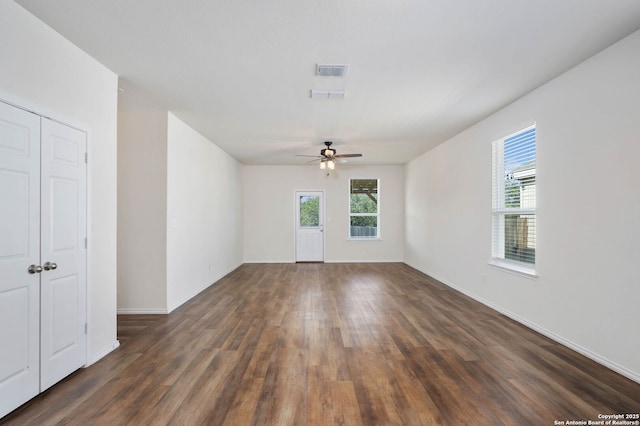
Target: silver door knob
x,y
49,266
34,269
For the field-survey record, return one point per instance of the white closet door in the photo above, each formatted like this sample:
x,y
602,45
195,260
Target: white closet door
x,y
63,252
19,248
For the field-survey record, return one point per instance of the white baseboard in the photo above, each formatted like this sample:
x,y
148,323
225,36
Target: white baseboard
x,y
106,351
142,311
191,296
327,261
362,261
620,369
203,288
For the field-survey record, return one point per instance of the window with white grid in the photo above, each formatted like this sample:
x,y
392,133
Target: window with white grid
x,y
364,209
514,199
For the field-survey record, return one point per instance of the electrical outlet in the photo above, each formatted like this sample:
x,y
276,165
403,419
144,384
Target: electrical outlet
x,y
484,278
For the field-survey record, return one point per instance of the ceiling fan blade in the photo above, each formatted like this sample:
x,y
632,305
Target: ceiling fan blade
x,y
347,155
313,161
301,155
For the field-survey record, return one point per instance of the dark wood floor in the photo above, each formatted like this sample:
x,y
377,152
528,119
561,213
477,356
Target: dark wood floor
x,y
344,344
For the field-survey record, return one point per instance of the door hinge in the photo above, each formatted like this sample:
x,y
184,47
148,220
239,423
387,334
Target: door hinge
x,y
85,243
86,328
86,158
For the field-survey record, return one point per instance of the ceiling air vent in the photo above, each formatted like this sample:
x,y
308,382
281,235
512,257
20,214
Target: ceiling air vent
x,y
328,94
331,70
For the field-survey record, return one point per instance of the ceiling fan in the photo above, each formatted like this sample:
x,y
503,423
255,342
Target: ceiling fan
x,y
328,156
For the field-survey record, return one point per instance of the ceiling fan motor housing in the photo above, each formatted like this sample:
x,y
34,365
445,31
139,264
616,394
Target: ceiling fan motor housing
x,y
328,144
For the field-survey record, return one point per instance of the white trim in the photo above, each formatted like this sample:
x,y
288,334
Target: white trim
x,y
620,369
378,214
499,211
203,288
88,252
142,311
23,104
327,261
514,210
188,297
42,113
531,124
115,345
364,261
513,268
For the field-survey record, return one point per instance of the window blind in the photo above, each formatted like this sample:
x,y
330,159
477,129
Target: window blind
x,y
514,197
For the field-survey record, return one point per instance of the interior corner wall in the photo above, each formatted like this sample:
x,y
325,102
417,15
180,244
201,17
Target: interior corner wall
x,y
586,295
44,72
204,213
142,209
269,212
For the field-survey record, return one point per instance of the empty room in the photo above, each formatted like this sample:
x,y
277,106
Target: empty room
x,y
319,213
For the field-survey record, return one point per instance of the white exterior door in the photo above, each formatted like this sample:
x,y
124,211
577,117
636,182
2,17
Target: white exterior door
x,y
309,227
63,253
19,248
42,254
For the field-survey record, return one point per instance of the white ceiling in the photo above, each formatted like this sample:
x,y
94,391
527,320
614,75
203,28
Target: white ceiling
x,y
420,71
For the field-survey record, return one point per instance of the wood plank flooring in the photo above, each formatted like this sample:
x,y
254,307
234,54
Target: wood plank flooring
x,y
332,344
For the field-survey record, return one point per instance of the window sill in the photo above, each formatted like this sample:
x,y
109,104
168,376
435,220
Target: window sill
x,y
514,268
364,239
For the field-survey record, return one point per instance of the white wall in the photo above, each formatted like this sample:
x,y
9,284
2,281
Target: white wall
x,y
142,208
269,212
42,71
180,211
204,213
588,241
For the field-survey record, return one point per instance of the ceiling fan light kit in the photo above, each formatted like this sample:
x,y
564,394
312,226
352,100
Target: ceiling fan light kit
x,y
328,156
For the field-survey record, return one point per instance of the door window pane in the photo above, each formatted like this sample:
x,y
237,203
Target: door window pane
x,y
309,211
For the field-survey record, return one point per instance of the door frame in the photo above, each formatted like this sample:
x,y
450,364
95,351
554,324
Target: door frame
x,y
66,121
322,222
